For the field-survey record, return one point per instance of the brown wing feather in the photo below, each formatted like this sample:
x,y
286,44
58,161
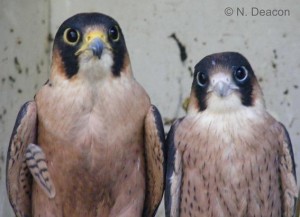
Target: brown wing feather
x,y
288,175
173,173
155,161
37,164
18,177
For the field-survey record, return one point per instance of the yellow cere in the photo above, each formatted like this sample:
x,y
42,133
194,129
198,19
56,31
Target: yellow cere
x,y
89,37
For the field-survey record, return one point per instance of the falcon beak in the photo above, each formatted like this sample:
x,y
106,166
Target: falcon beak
x,y
222,88
222,85
95,41
96,46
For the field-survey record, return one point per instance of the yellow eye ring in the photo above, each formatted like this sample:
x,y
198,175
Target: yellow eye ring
x,y
71,36
114,33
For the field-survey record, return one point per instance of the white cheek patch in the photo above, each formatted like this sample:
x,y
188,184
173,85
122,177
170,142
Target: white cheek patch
x,y
106,61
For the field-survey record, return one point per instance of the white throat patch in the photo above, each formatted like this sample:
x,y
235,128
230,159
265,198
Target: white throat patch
x,y
230,103
93,68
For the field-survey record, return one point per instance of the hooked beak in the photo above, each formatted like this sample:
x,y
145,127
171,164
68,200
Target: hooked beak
x,y
222,85
96,46
95,41
221,88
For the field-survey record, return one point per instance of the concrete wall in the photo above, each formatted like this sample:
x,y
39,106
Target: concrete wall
x,y
271,43
24,63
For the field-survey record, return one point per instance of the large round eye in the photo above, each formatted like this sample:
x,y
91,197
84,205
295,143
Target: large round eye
x,y
113,33
240,74
202,78
71,36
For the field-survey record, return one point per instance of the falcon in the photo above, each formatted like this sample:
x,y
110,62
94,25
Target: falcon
x,y
228,156
90,143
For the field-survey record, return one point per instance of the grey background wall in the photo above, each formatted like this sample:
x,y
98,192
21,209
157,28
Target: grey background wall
x,y
271,43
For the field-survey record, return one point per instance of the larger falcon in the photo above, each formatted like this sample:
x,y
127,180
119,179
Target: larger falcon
x,y
90,144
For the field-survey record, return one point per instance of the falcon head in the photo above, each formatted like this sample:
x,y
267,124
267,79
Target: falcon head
x,y
224,82
89,45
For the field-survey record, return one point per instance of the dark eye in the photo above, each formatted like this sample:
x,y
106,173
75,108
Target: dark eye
x,y
113,33
202,79
71,36
240,74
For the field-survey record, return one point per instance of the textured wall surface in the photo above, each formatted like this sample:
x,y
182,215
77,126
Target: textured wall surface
x,y
165,40
24,62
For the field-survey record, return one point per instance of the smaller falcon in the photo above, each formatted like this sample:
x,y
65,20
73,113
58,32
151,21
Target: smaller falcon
x,y
228,156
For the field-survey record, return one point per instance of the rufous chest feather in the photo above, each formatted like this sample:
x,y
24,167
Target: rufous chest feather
x,y
231,140
80,113
230,163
